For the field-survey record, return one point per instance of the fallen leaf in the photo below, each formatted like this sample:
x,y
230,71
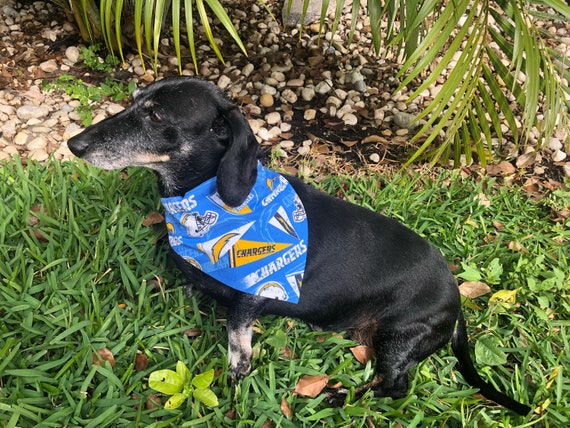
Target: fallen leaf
x,y
153,218
152,402
502,168
311,386
526,159
102,355
362,353
141,362
504,296
498,225
286,409
349,143
473,289
193,332
514,246
483,200
374,139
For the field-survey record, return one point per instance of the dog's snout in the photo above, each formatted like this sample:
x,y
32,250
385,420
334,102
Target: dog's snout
x,y
78,145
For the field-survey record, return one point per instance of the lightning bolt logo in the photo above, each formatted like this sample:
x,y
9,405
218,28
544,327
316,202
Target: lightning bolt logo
x,y
218,247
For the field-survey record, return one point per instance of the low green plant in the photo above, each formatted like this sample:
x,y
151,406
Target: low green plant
x,y
82,268
181,386
89,95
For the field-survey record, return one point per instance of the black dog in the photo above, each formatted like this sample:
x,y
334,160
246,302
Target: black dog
x,y
370,276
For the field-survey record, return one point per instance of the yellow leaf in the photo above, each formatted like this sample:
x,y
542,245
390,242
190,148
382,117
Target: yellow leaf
x,y
504,296
552,377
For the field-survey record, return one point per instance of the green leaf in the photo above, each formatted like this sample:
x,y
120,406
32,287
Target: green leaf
x,y
183,372
206,396
166,381
278,340
203,380
470,272
488,352
175,401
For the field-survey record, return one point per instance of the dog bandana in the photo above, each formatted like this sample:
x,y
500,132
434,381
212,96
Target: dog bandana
x,y
259,247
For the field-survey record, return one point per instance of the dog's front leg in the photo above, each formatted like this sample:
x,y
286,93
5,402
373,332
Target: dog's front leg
x,y
241,317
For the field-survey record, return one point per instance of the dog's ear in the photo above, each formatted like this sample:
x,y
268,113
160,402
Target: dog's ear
x,y
237,171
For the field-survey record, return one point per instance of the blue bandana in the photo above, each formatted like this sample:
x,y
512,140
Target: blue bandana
x,y
259,247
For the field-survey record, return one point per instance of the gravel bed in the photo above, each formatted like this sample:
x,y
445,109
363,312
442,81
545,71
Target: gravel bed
x,y
313,98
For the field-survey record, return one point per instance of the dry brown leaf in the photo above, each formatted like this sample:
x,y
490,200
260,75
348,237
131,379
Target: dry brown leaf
x,y
473,289
193,332
311,386
141,362
102,355
153,218
502,168
286,409
498,225
152,402
483,200
362,353
374,139
349,143
514,246
526,159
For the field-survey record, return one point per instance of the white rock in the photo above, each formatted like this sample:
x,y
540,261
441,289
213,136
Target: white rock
x,y
28,112
21,138
558,156
554,144
308,94
247,69
39,155
287,144
224,82
295,83
309,114
49,66
39,142
114,108
289,96
72,54
566,169
349,119
375,157
255,125
333,101
323,87
273,118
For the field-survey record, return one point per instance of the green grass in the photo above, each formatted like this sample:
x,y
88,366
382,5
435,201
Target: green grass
x,y
79,272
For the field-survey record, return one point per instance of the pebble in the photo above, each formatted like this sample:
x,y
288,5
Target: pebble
x,y
558,156
72,54
309,114
273,118
323,87
28,112
49,66
266,100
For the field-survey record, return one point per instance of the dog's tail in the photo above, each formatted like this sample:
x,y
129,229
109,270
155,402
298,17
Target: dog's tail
x,y
460,346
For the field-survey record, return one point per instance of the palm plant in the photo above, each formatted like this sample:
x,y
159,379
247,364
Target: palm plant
x,y
503,61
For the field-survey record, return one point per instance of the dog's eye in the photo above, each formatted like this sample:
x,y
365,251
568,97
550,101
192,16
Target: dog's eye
x,y
154,116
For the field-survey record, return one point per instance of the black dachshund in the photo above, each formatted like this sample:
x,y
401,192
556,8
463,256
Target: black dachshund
x,y
354,270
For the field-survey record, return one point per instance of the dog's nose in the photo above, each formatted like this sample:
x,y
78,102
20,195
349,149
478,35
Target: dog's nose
x,y
78,145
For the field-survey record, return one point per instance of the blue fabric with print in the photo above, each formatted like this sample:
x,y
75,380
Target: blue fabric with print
x,y
259,247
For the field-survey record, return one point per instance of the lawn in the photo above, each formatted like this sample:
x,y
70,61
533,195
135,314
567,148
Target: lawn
x,y
83,268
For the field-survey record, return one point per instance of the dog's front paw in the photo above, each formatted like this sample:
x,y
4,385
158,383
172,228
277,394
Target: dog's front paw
x,y
239,370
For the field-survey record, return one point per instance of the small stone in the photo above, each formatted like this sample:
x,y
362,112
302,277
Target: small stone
x,y
28,112
39,155
295,83
566,168
21,138
558,156
266,100
405,120
255,125
323,87
49,66
360,86
402,132
114,108
349,119
308,94
375,157
224,82
287,144
273,118
37,143
72,54
247,69
309,114
263,133
289,96
304,150
554,144
333,101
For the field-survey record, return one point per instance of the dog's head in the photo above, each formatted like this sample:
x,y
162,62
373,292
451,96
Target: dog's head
x,y
183,128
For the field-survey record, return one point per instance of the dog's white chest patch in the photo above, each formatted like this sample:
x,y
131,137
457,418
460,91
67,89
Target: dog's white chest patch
x,y
259,247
